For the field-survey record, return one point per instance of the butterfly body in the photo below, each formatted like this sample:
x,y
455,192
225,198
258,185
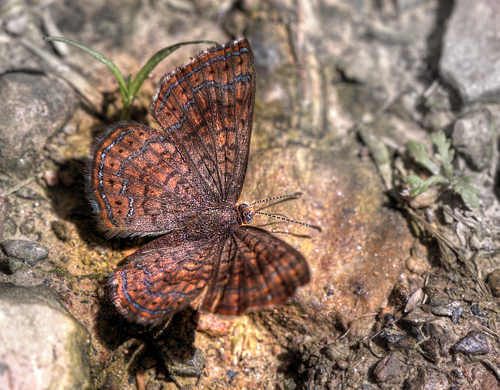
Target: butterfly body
x,y
180,184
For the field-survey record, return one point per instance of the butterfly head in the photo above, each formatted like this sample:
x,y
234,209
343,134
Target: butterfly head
x,y
245,213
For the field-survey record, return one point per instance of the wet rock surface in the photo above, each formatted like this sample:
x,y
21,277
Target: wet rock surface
x,y
398,285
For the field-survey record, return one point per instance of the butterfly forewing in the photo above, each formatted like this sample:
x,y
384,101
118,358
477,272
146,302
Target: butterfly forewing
x,y
211,98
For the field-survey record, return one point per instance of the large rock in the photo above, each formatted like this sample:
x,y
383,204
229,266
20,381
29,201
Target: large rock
x,y
34,107
473,138
470,61
41,345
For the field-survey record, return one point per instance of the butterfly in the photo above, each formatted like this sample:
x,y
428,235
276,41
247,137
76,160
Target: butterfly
x,y
180,184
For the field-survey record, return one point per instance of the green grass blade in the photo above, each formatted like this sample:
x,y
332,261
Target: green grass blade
x,y
111,66
155,60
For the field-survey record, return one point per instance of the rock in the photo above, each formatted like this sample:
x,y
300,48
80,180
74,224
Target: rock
x,y
440,305
440,337
41,345
428,198
388,368
336,352
469,60
431,349
417,265
418,317
473,138
51,178
28,193
494,282
361,285
9,265
34,108
360,65
403,5
16,24
399,340
27,226
29,251
475,343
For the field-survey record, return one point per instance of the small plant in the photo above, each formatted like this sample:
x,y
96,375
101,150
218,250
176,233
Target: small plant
x,y
129,88
442,170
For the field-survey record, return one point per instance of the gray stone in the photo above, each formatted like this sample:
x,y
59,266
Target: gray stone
x,y
29,251
34,107
361,65
403,5
41,345
470,62
475,343
418,317
16,24
9,265
473,138
28,193
336,352
389,367
440,305
494,282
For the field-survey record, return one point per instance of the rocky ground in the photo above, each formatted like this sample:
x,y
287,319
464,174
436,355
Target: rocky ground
x,y
382,113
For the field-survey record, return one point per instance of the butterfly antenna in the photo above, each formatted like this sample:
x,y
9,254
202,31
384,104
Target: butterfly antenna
x,y
288,220
277,197
295,194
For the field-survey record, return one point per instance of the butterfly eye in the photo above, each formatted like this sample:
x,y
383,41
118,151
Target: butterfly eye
x,y
248,218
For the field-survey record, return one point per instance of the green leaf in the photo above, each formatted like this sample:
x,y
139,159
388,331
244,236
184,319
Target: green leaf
x,y
445,154
419,186
420,155
414,181
468,193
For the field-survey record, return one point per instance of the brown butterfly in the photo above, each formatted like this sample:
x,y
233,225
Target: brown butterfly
x,y
181,184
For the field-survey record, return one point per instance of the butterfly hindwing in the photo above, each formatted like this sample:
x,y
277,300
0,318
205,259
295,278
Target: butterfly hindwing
x,y
162,277
256,270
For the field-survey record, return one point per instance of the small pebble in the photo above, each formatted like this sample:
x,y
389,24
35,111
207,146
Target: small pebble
x,y
148,362
27,226
9,265
388,368
428,198
30,251
60,230
418,317
28,193
51,178
494,282
417,265
475,343
16,25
